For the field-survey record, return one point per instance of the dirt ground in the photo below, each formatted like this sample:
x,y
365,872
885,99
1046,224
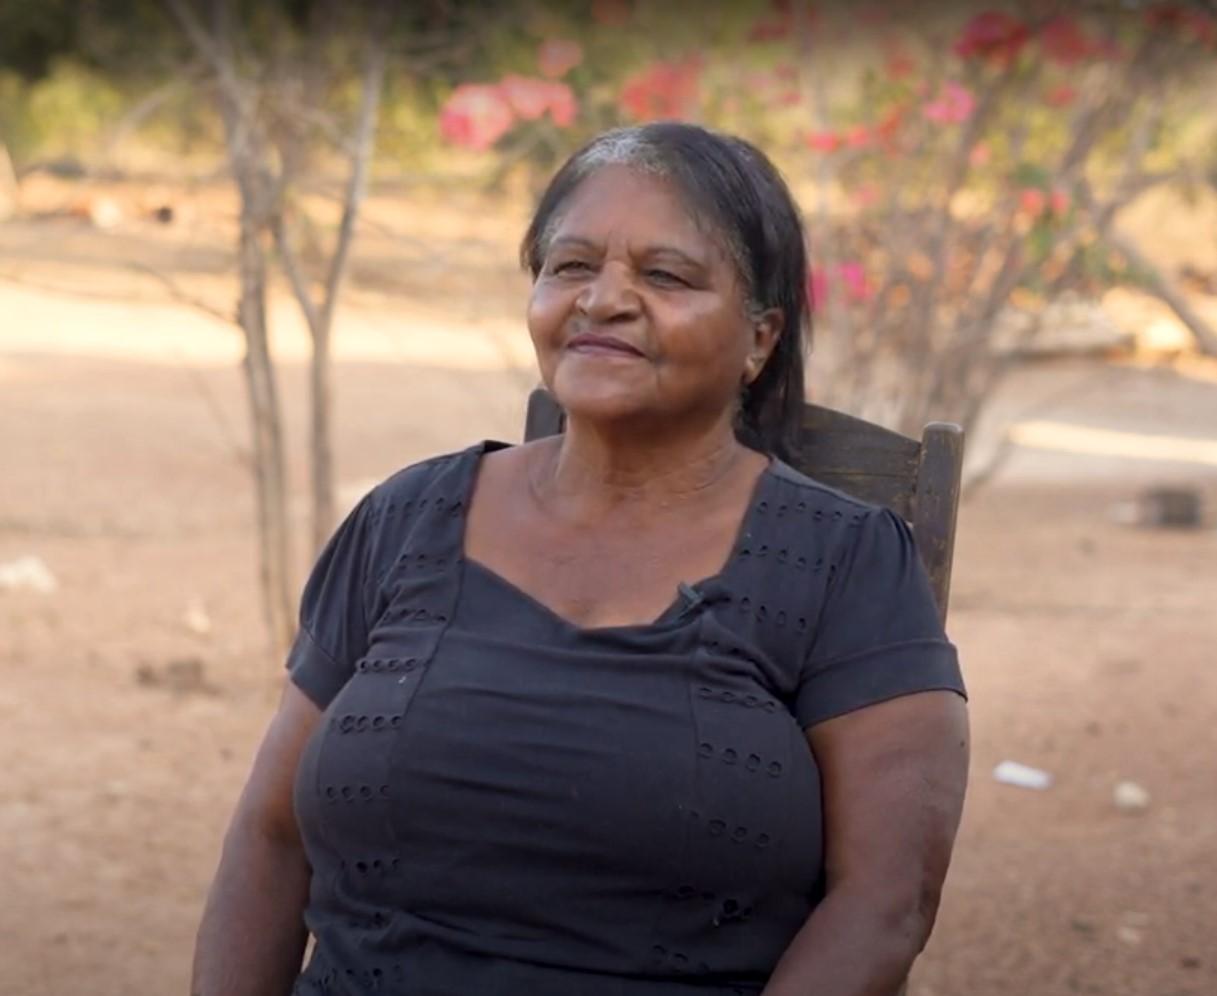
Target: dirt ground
x,y
126,731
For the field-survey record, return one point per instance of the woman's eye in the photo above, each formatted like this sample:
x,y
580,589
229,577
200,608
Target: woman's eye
x,y
666,277
571,267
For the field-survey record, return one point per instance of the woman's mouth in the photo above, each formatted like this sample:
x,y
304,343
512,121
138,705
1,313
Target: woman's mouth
x,y
602,345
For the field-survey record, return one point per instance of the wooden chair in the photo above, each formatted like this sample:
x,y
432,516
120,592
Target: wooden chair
x,y
917,480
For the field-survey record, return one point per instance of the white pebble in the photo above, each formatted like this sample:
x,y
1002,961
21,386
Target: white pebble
x,y
1130,797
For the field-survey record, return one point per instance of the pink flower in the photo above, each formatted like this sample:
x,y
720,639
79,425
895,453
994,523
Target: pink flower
x,y
823,141
993,36
662,90
475,115
853,276
850,276
1064,42
531,98
558,56
817,288
955,104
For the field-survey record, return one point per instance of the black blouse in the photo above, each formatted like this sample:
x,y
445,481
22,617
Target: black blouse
x,y
499,802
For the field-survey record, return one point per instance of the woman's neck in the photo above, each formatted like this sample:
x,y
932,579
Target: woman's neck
x,y
589,472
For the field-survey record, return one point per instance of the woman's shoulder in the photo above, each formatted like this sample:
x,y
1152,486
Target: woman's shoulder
x,y
818,498
443,476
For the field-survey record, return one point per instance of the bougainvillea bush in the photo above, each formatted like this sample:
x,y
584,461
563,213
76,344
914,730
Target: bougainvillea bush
x,y
954,165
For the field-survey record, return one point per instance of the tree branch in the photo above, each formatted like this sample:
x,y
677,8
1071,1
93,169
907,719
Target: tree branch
x,y
181,296
1160,287
295,276
365,130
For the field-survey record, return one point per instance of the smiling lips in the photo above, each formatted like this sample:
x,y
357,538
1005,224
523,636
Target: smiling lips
x,y
603,345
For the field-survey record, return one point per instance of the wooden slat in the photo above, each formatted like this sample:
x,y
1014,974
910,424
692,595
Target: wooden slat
x,y
545,416
862,459
936,504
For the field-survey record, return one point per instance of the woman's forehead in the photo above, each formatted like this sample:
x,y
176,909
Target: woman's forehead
x,y
639,207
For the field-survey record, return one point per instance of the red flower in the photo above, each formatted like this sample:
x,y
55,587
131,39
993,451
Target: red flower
x,y
1179,17
558,56
1032,201
1064,41
858,137
823,141
1061,95
475,115
993,36
662,90
1058,201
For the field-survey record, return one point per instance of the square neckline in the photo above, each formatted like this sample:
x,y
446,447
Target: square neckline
x,y
677,612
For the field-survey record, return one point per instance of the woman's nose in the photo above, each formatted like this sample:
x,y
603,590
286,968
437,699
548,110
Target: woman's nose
x,y
609,296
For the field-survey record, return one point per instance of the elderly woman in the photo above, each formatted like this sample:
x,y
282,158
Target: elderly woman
x,y
634,711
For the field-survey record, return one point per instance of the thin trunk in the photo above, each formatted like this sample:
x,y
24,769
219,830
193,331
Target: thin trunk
x,y
321,320
246,147
269,461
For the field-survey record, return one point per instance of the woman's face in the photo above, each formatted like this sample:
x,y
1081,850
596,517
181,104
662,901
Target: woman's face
x,y
638,314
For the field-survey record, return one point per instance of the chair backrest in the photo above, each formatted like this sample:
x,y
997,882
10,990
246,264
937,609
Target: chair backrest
x,y
919,480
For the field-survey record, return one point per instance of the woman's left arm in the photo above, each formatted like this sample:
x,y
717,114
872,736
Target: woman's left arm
x,y
893,785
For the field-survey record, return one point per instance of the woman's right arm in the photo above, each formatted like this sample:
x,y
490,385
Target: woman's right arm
x,y
251,939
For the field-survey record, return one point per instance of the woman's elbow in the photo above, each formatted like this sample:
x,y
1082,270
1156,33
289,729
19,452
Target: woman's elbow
x,y
907,916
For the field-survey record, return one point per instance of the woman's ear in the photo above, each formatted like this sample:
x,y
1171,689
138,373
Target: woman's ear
x,y
766,331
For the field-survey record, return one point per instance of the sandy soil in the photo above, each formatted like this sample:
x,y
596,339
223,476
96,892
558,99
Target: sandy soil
x,y
1088,645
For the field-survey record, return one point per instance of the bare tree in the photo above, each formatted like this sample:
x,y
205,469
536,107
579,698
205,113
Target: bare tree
x,y
267,142
319,315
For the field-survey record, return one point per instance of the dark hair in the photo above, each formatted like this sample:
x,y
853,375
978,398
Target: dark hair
x,y
732,186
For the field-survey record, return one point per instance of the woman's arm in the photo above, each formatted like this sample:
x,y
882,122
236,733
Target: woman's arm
x,y
252,936
893,786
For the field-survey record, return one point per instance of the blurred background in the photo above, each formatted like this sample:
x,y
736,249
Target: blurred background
x,y
256,256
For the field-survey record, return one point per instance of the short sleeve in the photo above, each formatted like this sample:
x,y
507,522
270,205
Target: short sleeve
x,y
334,625
878,635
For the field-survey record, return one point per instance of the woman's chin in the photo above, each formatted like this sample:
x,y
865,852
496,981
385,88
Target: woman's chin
x,y
600,397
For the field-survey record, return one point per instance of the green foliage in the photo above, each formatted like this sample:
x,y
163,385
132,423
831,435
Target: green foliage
x,y
64,113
